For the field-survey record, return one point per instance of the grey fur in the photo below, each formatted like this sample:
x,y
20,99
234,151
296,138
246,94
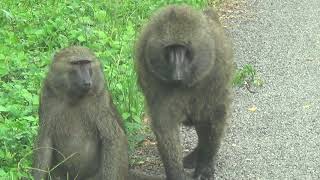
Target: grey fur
x,y
199,97
80,128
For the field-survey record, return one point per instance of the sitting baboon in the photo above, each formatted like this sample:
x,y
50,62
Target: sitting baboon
x,y
80,134
184,66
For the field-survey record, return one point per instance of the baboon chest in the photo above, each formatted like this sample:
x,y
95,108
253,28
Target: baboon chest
x,y
77,138
194,106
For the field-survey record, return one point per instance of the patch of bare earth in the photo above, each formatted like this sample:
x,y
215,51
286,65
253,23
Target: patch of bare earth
x,y
231,10
146,157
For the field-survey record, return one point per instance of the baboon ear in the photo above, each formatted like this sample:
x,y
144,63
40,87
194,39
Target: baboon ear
x,y
211,13
56,55
101,67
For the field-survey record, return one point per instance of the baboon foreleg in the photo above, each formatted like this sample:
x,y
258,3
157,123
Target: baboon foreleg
x,y
42,159
209,134
170,149
190,161
111,156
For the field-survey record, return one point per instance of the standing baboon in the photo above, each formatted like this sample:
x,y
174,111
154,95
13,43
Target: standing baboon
x,y
79,135
184,67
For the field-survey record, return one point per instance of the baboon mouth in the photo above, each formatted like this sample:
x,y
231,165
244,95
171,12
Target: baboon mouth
x,y
178,83
83,91
86,88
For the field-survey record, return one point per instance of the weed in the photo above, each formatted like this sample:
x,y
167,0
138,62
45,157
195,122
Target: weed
x,y
247,75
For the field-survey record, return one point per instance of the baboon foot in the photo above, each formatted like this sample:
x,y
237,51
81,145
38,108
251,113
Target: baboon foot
x,y
190,161
204,173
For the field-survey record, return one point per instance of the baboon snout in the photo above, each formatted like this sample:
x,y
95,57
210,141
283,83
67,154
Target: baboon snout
x,y
179,58
177,75
177,62
87,84
86,77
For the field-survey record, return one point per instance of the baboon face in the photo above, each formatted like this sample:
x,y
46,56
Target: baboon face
x,y
80,76
171,63
179,48
75,73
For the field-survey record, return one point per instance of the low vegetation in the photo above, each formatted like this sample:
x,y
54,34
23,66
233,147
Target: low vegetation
x,y
247,76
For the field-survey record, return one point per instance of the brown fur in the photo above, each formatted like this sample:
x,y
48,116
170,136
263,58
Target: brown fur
x,y
80,131
202,98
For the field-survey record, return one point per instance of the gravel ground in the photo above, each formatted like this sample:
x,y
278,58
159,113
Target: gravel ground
x,y
281,139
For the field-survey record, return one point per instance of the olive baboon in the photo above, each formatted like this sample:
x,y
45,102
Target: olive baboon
x,y
184,67
80,134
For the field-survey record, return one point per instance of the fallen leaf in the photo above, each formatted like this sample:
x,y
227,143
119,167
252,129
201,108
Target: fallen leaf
x,y
306,106
253,108
149,142
140,162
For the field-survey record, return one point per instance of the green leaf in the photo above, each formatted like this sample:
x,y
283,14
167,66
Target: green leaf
x,y
81,38
3,109
125,115
101,15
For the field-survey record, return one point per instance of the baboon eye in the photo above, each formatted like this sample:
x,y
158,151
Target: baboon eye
x,y
189,55
80,62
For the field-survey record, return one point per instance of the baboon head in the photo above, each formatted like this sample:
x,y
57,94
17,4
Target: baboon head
x,y
178,46
75,72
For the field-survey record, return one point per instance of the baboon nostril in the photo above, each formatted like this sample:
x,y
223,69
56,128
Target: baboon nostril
x,y
87,84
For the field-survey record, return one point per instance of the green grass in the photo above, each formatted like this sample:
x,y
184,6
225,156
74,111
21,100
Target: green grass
x,y
247,74
31,31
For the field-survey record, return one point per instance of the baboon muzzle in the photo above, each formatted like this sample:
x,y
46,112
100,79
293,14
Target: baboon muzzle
x,y
85,77
178,60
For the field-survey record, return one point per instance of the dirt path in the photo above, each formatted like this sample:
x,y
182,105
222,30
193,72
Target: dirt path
x,y
281,139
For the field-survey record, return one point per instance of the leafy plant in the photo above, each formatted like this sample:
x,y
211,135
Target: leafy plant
x,y
247,74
